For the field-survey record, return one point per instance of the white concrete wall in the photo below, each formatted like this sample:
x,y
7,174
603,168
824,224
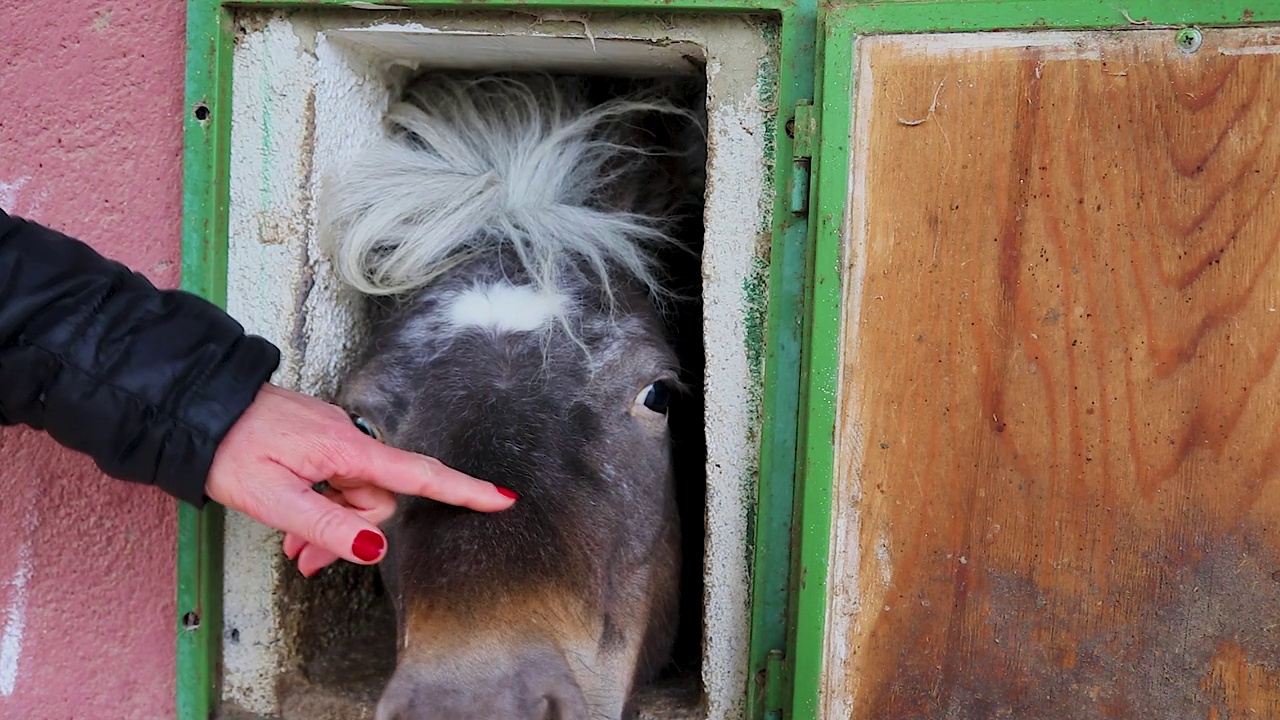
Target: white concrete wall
x,y
310,89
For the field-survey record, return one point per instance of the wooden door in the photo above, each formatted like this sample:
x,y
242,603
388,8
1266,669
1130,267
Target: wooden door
x,y
1057,485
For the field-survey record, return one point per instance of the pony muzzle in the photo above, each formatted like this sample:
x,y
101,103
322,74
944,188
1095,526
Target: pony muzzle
x,y
537,685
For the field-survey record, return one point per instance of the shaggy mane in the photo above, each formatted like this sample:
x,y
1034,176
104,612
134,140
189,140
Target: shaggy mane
x,y
472,165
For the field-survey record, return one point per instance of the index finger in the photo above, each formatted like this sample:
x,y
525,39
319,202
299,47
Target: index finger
x,y
408,473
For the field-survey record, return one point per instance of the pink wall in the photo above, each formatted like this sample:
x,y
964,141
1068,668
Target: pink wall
x,y
90,143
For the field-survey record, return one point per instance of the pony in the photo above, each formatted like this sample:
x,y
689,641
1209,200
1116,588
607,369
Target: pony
x,y
508,231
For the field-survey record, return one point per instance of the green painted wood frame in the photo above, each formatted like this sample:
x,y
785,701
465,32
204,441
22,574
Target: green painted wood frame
x,y
205,207
840,26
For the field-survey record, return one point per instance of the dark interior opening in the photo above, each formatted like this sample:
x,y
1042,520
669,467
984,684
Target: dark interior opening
x,y
343,628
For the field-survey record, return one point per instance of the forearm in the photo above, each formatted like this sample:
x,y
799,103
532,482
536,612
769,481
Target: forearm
x,y
147,382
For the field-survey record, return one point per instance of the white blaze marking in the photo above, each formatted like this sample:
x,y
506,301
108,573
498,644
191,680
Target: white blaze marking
x,y
504,308
15,621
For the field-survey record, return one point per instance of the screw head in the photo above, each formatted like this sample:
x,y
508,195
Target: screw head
x,y
1188,40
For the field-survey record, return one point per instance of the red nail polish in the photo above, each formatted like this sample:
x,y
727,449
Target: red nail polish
x,y
368,545
508,493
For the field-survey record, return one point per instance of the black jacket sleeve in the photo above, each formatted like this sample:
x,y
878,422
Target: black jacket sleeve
x,y
144,381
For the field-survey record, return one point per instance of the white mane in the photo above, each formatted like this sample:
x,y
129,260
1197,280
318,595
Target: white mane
x,y
474,164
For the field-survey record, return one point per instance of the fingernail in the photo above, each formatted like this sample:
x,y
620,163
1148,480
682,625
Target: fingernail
x,y
367,546
507,492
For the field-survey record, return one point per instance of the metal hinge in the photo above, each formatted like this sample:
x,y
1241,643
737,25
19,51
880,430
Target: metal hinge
x,y
776,677
803,131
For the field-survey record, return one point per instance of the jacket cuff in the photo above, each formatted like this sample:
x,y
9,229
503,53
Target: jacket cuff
x,y
213,408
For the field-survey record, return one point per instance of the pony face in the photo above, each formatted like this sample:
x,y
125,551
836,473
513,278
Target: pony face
x,y
520,341
581,574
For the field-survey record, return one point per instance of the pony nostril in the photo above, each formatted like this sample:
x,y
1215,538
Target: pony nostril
x,y
554,709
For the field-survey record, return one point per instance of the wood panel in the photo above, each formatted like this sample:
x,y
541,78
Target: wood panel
x,y
1057,491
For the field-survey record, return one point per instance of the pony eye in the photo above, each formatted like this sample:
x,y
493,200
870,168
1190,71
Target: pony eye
x,y
656,397
366,427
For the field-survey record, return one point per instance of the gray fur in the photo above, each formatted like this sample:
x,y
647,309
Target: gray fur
x,y
559,607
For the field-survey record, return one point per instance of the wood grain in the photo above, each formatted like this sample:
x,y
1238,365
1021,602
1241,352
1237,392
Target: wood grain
x,y
1057,492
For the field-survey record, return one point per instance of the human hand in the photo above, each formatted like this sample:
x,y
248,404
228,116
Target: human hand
x,y
286,442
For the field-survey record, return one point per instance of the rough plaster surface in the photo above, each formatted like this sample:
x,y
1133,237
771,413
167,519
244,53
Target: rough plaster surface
x,y
90,143
264,283
310,90
734,241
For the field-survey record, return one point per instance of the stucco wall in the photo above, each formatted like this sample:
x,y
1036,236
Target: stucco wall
x,y
90,143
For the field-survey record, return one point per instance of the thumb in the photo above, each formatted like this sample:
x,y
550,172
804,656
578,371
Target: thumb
x,y
301,512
